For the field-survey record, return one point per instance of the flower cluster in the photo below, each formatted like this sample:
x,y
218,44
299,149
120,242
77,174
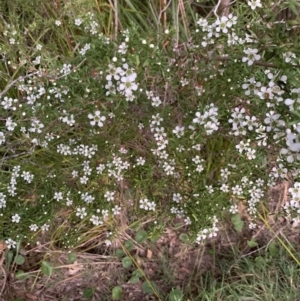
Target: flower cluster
x,y
208,119
121,79
208,232
292,208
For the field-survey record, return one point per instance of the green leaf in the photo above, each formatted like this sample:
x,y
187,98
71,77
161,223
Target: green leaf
x,y
149,287
136,226
19,259
120,253
237,222
252,243
272,248
175,295
47,268
19,244
134,279
260,262
126,262
146,63
184,237
292,6
72,258
117,293
18,299
137,60
141,236
129,245
155,237
9,258
21,275
88,293
137,273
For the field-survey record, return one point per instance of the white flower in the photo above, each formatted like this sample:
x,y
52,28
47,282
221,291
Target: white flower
x,y
127,85
156,102
87,198
140,161
69,120
57,23
109,195
45,227
7,102
33,227
252,56
147,205
96,221
2,138
116,210
179,131
202,23
37,60
273,120
237,190
97,119
222,24
233,209
81,212
11,244
232,20
10,125
288,56
293,141
108,242
36,126
16,218
66,69
58,196
177,197
78,22
251,154
254,3
27,176
224,188
2,200
122,48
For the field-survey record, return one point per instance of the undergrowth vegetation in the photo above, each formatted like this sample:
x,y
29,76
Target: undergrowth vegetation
x,y
106,122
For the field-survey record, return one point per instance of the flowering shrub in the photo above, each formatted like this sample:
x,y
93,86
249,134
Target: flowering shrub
x,y
148,126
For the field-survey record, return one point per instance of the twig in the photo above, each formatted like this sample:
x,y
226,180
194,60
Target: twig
x,y
216,8
115,9
21,78
163,10
225,7
15,156
3,270
116,17
182,9
4,280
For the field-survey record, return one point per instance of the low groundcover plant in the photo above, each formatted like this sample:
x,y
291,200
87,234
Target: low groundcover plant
x,y
148,126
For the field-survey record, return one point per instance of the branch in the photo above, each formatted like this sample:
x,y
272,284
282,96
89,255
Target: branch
x,y
21,78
